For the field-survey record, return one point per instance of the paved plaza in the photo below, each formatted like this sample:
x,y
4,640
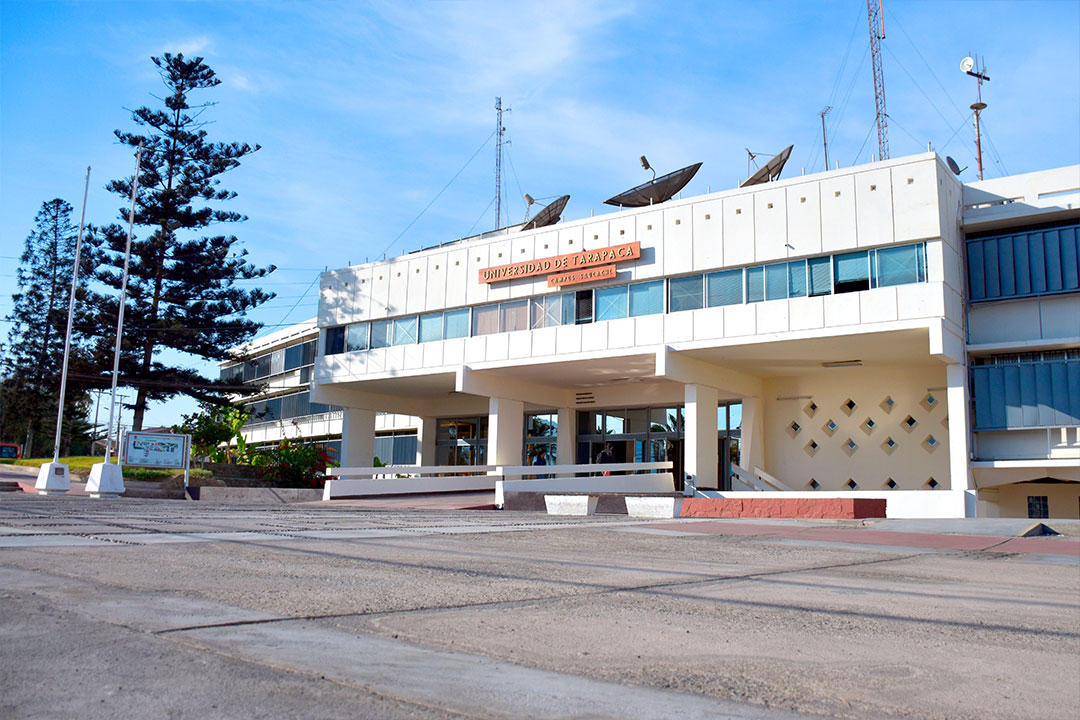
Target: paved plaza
x,y
153,608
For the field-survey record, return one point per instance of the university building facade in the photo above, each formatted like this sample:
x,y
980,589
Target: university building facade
x,y
883,330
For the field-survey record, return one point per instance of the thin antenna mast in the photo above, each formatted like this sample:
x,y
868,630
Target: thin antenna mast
x,y
824,141
968,66
877,34
499,129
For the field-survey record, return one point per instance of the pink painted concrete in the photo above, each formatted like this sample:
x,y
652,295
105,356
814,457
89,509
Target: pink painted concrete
x,y
1067,546
810,508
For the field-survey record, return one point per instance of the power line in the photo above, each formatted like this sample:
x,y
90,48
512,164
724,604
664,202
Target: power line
x,y
895,18
295,304
467,163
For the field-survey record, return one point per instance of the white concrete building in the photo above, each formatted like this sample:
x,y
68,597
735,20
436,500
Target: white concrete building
x,y
881,330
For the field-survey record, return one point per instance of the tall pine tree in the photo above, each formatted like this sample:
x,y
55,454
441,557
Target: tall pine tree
x,y
182,293
35,345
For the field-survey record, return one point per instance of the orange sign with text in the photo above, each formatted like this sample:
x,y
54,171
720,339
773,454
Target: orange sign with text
x,y
564,265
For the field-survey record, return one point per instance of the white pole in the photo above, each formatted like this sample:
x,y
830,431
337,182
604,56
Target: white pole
x,y
71,316
123,300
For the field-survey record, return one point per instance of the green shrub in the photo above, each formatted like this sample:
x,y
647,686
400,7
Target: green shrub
x,y
293,465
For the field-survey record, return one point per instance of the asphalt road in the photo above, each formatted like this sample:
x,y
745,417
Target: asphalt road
x,y
140,608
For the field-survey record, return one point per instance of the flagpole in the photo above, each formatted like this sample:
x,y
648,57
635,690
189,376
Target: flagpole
x,y
71,317
123,301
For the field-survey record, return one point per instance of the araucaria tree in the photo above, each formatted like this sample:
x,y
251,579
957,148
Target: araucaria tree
x,y
34,351
182,290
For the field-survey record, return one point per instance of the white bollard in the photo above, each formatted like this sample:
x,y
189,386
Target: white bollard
x,y
106,480
53,479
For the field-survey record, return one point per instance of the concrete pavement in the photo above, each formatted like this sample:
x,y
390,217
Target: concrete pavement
x,y
133,608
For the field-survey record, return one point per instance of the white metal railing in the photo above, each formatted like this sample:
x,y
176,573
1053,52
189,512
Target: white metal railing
x,y
655,477
648,478
759,480
407,480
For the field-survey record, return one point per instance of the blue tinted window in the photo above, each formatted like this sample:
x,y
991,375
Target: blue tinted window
x,y
776,281
686,293
405,331
820,271
456,323
647,298
356,338
724,288
431,327
611,303
797,278
852,272
755,284
380,333
898,265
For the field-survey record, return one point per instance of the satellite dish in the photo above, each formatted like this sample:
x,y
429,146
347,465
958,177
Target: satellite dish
x,y
952,165
655,191
771,170
966,64
549,215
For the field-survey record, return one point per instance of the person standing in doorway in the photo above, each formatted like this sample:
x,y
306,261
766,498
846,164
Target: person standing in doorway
x,y
605,457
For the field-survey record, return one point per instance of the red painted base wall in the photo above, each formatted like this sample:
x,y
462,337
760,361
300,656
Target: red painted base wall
x,y
839,508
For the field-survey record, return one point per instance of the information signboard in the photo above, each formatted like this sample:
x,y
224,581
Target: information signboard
x,y
156,450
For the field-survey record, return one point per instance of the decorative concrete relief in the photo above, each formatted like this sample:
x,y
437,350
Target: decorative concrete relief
x,y
813,484
909,423
930,444
851,484
849,406
868,425
810,409
887,404
829,427
889,446
811,448
929,402
850,446
794,428
889,484
931,484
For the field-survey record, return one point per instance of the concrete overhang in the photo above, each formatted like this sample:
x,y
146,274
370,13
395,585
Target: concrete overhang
x,y
788,357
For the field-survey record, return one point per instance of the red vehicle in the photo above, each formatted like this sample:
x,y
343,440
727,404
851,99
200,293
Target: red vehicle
x,y
10,451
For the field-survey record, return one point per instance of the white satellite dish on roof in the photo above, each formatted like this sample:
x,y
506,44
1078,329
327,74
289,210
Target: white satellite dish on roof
x,y
966,64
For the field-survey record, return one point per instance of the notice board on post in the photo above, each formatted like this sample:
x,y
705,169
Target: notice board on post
x,y
156,450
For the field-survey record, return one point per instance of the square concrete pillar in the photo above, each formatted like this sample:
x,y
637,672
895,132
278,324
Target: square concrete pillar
x,y
957,405
699,413
425,441
752,445
357,437
506,431
566,444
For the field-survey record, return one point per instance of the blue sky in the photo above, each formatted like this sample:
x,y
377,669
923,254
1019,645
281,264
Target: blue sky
x,y
366,110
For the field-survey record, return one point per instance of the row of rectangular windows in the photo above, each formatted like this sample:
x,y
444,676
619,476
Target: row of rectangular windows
x,y
830,274
272,363
285,407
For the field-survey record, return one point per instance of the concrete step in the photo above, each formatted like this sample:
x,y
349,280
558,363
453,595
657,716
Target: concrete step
x,y
9,486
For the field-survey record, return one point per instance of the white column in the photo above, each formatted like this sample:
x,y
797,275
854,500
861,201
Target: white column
x,y
506,425
425,441
959,421
699,413
357,437
751,446
566,445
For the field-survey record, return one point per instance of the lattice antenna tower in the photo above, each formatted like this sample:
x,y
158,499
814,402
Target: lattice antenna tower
x,y
499,131
877,34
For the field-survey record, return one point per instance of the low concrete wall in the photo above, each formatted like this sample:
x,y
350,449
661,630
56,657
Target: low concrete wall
x,y
911,504
812,508
262,495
